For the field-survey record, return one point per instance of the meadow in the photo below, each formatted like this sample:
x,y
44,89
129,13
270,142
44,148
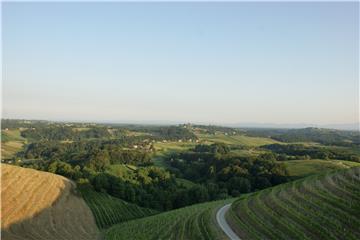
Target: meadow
x,y
236,139
302,168
11,143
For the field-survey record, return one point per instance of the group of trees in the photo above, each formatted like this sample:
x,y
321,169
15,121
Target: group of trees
x,y
62,133
212,129
96,154
319,135
230,173
151,186
300,151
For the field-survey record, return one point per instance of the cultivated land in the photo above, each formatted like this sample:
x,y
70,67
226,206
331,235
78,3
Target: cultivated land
x,y
109,210
194,222
39,205
325,206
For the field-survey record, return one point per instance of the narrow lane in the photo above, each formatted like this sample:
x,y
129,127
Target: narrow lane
x,y
220,218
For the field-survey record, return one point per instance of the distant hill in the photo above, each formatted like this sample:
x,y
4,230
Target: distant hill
x,y
39,205
319,135
345,126
325,206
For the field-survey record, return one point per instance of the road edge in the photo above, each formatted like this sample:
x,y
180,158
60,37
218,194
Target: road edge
x,y
221,221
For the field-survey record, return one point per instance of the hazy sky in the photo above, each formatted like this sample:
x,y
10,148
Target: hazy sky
x,y
197,62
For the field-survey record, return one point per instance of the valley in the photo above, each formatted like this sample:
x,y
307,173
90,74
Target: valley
x,y
173,180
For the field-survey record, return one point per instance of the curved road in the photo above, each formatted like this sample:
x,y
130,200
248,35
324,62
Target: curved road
x,y
220,218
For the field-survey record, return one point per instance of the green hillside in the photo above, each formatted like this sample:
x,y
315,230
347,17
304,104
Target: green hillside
x,y
194,222
109,210
236,139
302,168
325,206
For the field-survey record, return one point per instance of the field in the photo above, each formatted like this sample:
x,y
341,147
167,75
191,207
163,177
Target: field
x,y
194,222
123,171
11,143
163,149
325,206
109,210
236,139
302,168
10,148
32,200
11,135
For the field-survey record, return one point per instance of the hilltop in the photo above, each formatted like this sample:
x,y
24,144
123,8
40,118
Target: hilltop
x,y
33,199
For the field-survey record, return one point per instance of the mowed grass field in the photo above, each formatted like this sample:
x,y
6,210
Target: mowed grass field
x,y
325,206
39,205
195,222
302,168
163,149
236,139
11,143
109,210
10,148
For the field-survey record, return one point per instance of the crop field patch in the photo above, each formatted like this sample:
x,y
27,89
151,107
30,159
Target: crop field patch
x,y
31,198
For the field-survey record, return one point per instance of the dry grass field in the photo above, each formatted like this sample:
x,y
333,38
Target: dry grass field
x,y
39,205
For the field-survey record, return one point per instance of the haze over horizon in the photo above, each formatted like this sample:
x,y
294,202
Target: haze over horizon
x,y
228,63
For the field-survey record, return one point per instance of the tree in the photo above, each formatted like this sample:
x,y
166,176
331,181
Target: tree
x,y
101,182
240,184
99,161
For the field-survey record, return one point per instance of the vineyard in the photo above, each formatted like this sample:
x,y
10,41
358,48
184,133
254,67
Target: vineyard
x,y
109,210
325,206
38,205
194,222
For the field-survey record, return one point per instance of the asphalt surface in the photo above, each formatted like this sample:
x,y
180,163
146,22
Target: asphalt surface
x,y
220,218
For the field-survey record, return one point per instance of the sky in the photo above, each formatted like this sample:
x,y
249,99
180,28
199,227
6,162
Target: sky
x,y
181,62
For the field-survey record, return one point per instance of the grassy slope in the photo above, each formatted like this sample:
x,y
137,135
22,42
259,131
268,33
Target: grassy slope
x,y
39,205
164,149
237,139
11,143
325,206
123,171
194,222
302,168
109,210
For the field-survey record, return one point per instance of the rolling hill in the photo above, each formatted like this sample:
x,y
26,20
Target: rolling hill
x,y
39,205
109,210
325,206
194,222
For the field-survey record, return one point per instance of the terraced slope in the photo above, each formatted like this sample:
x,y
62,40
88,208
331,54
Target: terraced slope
x,y
194,222
39,205
109,210
323,206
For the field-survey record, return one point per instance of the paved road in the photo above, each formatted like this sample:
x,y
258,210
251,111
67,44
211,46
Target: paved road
x,y
220,218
